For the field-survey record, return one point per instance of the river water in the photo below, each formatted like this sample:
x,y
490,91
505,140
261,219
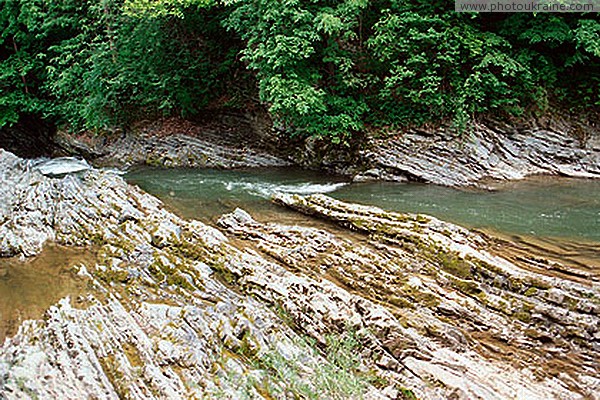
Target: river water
x,y
557,219
544,207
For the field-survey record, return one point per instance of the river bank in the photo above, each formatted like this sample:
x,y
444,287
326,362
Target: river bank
x,y
179,308
486,152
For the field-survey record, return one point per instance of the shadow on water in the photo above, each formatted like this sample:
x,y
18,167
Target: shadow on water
x,y
29,287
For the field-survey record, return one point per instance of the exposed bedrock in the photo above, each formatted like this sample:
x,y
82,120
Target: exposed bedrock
x,y
490,150
441,293
160,320
409,305
177,143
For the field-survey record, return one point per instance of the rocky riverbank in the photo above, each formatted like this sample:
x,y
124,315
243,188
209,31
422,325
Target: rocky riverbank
x,y
489,150
176,143
370,304
486,151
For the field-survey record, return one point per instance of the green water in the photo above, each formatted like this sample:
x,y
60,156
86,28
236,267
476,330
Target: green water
x,y
207,194
541,207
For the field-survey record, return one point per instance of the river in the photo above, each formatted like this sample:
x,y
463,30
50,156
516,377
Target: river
x,y
553,218
545,207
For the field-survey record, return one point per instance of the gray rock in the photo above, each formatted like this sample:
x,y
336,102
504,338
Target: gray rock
x,y
158,322
486,151
61,166
175,150
176,310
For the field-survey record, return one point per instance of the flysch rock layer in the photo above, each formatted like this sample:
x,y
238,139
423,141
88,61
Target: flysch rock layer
x,y
179,148
442,308
158,322
485,151
176,310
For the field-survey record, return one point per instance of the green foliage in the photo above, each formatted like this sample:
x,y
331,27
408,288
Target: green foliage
x,y
91,64
127,68
323,68
563,51
21,62
161,8
446,68
304,71
338,378
326,68
587,37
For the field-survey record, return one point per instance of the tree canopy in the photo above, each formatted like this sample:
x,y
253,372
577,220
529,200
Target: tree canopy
x,y
323,68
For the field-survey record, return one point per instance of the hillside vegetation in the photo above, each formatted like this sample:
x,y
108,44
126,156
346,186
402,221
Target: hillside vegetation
x,y
323,68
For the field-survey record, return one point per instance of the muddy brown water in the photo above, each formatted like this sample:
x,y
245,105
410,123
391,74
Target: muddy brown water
x,y
29,287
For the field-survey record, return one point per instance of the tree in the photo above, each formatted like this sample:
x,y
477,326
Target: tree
x,y
323,68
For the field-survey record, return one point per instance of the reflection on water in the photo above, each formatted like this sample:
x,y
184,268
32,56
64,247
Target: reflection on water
x,y
28,288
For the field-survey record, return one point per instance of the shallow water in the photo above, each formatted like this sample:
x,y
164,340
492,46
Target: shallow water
x,y
29,287
540,207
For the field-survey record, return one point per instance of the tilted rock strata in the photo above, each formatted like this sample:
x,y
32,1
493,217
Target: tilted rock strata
x,y
438,281
174,150
485,151
158,321
185,151
177,311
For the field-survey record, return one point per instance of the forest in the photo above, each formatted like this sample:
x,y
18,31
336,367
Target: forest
x,y
331,69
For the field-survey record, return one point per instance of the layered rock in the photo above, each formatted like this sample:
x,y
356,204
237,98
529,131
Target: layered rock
x,y
160,320
174,143
438,304
408,306
490,150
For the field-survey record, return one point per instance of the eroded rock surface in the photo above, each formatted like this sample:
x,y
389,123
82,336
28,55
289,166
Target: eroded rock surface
x,y
160,320
437,303
487,151
412,305
174,143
